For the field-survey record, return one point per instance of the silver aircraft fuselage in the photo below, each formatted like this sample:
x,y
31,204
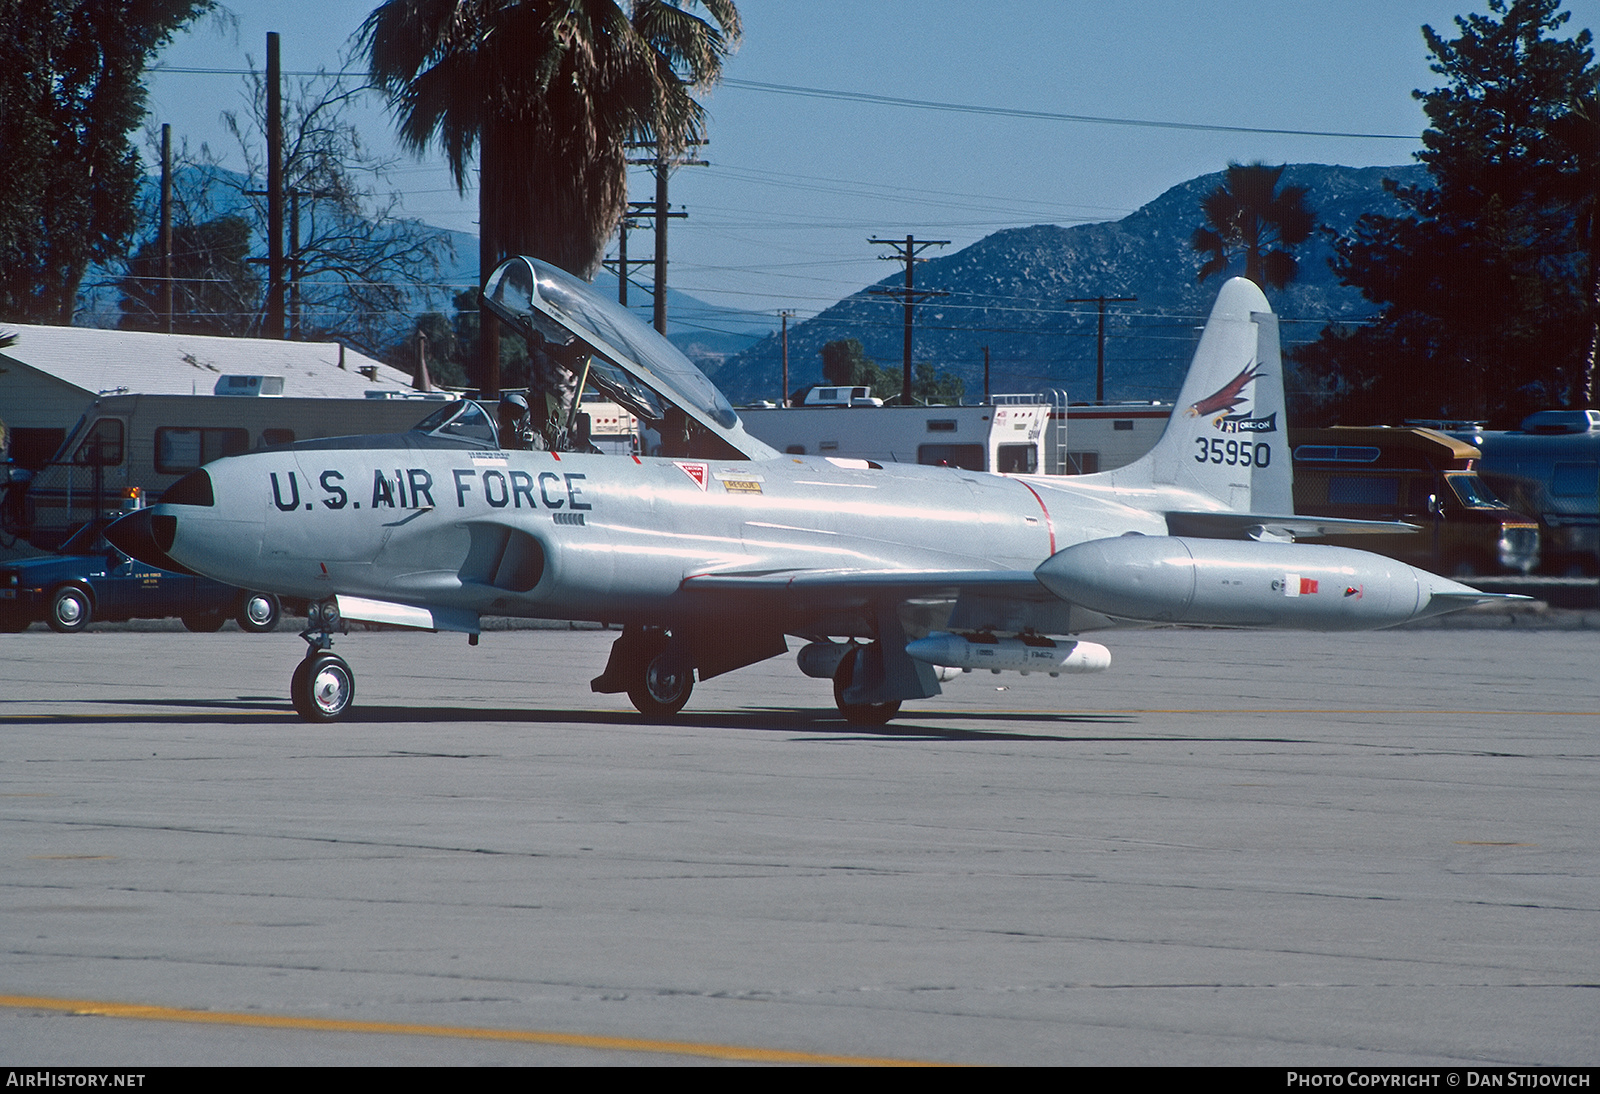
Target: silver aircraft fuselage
x,y
605,537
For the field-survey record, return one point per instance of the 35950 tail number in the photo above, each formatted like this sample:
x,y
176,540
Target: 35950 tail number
x,y
1233,453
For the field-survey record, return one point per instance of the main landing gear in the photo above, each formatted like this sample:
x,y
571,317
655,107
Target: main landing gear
x,y
653,667
859,714
323,685
870,679
662,683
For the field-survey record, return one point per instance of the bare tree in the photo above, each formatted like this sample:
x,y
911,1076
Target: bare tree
x,y
359,270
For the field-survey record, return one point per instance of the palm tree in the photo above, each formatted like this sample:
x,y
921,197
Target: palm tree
x,y
547,94
1249,213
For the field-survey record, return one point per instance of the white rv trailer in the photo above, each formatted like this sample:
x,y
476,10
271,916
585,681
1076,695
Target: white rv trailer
x,y
128,448
1087,438
1078,440
1007,438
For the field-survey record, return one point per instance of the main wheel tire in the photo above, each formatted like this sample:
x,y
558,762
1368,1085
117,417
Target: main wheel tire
x,y
259,613
70,610
322,688
858,714
209,623
664,682
299,690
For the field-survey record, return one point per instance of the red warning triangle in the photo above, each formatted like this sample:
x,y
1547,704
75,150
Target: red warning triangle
x,y
699,472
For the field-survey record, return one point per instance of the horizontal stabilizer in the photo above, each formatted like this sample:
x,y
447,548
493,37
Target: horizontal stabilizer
x,y
1212,525
1469,597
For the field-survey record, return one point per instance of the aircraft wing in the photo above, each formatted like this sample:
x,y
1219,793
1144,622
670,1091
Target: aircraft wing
x,y
852,583
998,600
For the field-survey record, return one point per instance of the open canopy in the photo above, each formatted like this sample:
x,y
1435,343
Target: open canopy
x,y
630,362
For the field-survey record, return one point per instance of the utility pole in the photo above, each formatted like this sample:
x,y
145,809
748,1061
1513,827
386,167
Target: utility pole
x,y
663,167
783,392
660,314
907,252
274,324
622,265
166,228
1100,353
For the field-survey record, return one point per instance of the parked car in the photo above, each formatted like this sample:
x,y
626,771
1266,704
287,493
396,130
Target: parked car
x,y
90,579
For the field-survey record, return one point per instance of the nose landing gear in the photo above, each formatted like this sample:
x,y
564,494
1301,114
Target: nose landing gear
x,y
323,685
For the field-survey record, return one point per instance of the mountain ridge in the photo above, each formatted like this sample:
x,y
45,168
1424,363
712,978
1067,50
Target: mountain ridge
x,y
1006,291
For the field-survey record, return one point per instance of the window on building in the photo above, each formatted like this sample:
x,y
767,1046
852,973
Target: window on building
x,y
967,456
1018,459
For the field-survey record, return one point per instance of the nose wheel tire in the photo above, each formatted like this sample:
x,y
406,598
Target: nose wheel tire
x,y
663,685
859,714
70,610
322,688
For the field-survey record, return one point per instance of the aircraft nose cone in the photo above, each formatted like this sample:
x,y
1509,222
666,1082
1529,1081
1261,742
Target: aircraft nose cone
x,y
147,536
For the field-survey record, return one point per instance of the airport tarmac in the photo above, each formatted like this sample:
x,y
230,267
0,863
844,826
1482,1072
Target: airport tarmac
x,y
1230,848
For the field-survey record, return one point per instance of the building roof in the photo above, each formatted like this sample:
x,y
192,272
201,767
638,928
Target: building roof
x,y
140,363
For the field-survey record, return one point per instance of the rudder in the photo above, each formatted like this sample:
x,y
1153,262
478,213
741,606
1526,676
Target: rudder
x,y
1227,437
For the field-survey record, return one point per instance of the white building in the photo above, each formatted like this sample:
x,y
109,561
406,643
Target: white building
x,y
49,374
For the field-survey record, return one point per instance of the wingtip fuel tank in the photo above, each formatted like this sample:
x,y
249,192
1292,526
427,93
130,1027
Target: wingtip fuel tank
x,y
1299,586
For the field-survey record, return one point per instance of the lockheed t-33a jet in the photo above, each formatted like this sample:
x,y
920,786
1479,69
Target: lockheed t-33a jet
x,y
713,550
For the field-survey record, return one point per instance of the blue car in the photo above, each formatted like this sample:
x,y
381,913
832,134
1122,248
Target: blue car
x,y
90,580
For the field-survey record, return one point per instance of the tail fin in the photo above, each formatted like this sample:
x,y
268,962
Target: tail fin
x,y
1228,435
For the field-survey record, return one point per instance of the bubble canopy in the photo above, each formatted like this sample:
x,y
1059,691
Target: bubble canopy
x,y
631,362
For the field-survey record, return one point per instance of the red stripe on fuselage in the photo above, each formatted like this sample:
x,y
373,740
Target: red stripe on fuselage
x,y
1045,509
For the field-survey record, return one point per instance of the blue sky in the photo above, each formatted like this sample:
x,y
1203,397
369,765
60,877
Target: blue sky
x,y
797,183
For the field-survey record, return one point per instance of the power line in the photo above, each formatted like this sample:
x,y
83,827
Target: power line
x,y
1045,115
919,104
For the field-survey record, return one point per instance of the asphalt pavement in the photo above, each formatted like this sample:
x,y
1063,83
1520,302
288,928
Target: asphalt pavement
x,y
1229,848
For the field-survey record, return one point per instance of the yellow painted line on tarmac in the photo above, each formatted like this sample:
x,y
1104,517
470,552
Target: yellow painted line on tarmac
x,y
979,711
468,1033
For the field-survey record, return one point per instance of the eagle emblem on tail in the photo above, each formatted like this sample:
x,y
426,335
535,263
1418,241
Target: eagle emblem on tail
x,y
1226,397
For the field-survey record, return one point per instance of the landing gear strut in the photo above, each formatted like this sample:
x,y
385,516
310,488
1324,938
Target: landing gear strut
x,y
653,666
323,685
860,714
